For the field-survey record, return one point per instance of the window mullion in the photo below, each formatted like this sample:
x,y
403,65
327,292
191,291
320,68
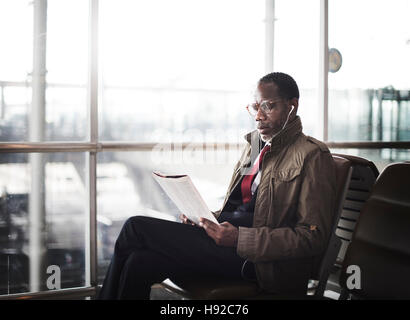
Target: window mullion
x,y
323,71
91,161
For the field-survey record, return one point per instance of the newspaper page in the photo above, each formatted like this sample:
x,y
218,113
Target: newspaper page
x,y
185,195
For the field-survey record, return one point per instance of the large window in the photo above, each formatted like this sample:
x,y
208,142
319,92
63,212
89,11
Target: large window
x,y
158,72
42,215
96,94
43,70
369,97
186,80
164,62
296,52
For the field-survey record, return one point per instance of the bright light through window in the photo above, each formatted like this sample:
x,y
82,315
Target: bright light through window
x,y
163,63
369,96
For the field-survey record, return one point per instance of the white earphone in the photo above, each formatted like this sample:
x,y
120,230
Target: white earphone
x,y
287,119
293,107
286,122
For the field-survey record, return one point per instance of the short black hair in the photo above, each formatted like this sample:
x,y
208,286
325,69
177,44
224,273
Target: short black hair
x,y
287,86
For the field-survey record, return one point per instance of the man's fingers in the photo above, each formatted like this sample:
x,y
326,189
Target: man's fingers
x,y
211,228
226,224
185,219
224,234
210,232
208,224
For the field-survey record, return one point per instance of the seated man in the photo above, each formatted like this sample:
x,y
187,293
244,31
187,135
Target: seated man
x,y
274,223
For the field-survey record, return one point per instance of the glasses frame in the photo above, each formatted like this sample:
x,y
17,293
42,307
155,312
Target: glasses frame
x,y
263,105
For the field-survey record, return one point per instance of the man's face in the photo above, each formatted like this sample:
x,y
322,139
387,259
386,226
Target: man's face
x,y
270,123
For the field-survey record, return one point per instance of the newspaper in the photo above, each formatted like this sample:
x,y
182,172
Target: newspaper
x,y
185,195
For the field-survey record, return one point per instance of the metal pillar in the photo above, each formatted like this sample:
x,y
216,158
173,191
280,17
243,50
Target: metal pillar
x,y
91,254
3,104
269,35
370,96
37,245
323,70
398,116
380,115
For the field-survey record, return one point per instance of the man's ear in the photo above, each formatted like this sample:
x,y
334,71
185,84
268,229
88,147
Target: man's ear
x,y
295,102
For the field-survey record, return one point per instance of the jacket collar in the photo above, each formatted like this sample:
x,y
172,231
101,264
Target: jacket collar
x,y
287,135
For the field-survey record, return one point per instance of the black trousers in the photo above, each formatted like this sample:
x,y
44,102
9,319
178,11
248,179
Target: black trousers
x,y
150,250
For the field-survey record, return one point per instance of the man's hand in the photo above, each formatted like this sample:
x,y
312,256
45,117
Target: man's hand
x,y
223,234
185,220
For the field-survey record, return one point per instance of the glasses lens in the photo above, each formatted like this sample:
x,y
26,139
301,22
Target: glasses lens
x,y
268,106
252,109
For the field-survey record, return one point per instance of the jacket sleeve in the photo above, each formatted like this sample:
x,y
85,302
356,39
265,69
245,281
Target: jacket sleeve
x,y
314,214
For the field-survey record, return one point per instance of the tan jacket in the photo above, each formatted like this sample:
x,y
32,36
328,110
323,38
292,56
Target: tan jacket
x,y
293,212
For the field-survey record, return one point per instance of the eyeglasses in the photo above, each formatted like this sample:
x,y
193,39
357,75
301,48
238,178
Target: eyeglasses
x,y
267,106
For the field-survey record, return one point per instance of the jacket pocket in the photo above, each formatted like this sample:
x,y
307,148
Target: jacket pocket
x,y
287,175
286,192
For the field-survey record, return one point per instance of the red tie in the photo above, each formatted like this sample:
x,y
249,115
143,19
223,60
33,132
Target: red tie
x,y
248,179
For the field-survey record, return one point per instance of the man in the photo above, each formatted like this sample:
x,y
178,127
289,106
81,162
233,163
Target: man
x,y
274,223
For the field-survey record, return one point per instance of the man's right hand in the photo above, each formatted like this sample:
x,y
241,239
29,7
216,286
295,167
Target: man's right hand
x,y
185,220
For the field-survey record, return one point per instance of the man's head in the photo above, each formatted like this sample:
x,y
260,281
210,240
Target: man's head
x,y
275,95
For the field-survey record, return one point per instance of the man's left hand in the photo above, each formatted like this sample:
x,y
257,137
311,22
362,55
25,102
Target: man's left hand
x,y
224,234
